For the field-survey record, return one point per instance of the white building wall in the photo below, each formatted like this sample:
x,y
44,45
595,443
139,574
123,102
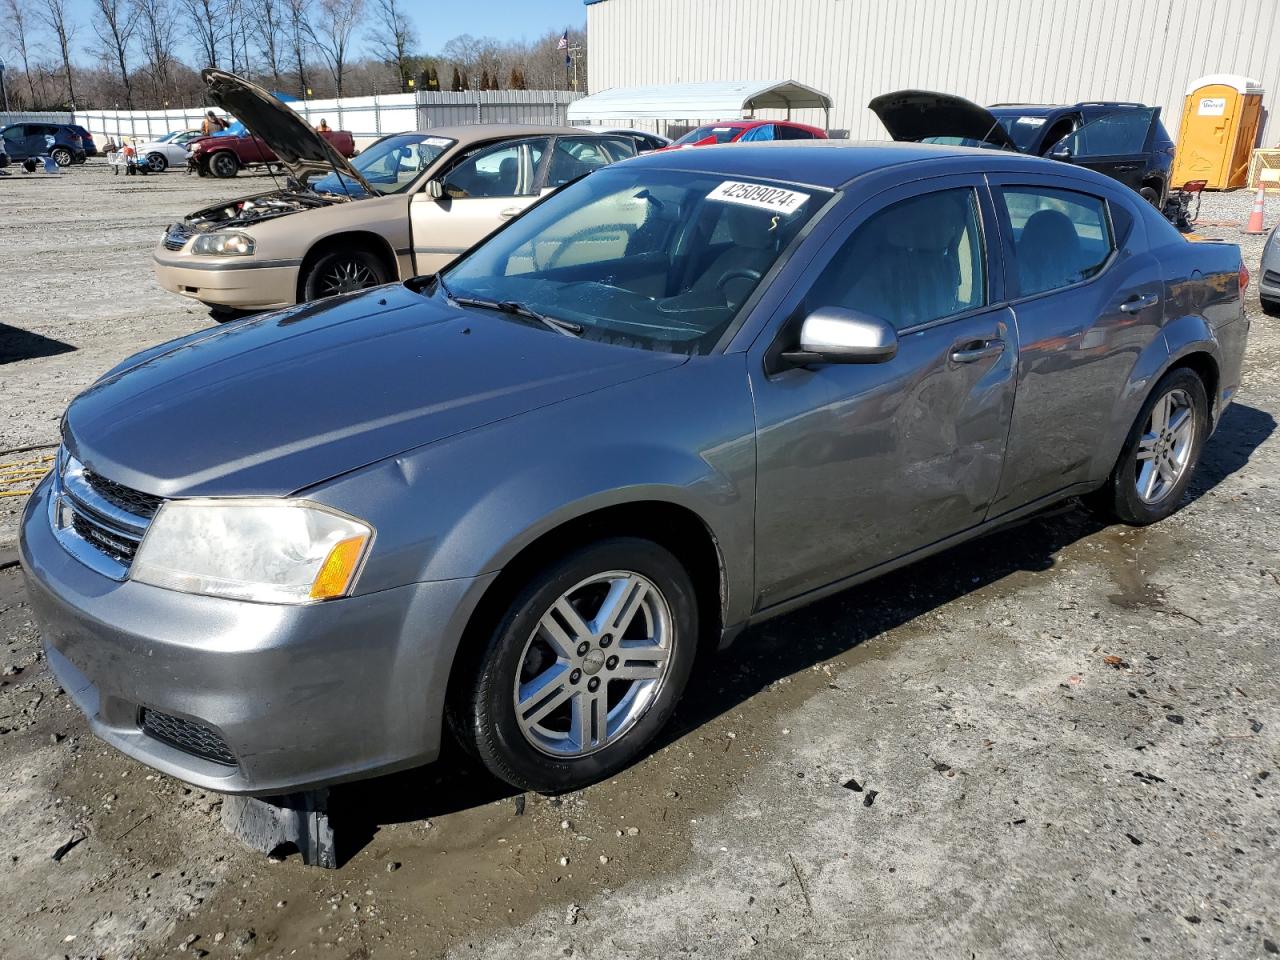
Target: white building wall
x,y
991,51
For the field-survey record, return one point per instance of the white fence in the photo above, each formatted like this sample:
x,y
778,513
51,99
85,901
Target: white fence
x,y
366,117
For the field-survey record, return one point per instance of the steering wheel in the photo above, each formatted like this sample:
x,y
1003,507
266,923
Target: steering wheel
x,y
741,273
583,234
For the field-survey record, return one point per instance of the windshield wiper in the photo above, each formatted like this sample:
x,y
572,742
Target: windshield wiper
x,y
515,308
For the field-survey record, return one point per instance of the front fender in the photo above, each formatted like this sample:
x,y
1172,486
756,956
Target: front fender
x,y
465,506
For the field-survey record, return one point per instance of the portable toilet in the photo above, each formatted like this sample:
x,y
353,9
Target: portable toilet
x,y
1219,126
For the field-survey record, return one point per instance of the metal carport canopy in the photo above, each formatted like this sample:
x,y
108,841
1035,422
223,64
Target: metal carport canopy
x,y
712,100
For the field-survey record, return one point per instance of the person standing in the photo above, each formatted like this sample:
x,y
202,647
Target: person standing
x,y
212,124
322,126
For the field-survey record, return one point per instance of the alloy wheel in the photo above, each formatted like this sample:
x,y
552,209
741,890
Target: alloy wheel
x,y
594,664
157,162
61,157
344,276
1164,450
225,165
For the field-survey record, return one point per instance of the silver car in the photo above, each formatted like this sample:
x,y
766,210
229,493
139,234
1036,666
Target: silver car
x,y
687,393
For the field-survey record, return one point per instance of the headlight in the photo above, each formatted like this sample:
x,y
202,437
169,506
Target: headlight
x,y
223,245
272,551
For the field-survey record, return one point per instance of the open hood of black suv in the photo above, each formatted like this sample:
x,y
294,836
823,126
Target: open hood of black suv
x,y
914,115
302,151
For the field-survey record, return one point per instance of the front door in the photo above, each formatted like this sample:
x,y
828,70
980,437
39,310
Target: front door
x,y
1116,145
861,464
483,190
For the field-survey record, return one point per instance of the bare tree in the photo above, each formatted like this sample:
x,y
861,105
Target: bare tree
x,y
394,37
115,25
299,38
158,33
333,35
205,21
268,31
18,30
57,17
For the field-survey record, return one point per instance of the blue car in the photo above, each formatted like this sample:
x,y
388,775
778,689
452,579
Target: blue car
x,y
24,141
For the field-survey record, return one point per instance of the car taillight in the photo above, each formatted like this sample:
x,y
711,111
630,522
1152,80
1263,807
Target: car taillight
x,y
1244,276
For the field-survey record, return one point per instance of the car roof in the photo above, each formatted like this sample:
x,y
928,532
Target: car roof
x,y
822,163
475,132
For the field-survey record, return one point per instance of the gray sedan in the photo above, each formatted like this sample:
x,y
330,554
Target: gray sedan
x,y
684,394
1269,282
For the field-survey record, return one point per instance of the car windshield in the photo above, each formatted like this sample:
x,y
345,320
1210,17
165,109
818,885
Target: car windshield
x,y
1022,130
721,133
389,165
658,259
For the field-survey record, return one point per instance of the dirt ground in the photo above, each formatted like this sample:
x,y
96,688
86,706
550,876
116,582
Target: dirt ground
x,y
942,764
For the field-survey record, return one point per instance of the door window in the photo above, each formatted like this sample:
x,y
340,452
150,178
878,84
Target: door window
x,y
505,170
758,134
13,137
1060,237
1117,134
915,261
573,157
794,133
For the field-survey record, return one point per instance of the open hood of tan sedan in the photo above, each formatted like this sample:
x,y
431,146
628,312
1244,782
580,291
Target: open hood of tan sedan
x,y
302,151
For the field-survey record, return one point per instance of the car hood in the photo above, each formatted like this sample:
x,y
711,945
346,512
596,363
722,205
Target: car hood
x,y
302,151
913,115
279,402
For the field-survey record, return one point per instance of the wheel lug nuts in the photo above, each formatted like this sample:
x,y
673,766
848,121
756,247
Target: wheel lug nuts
x,y
606,640
611,662
593,684
583,647
575,676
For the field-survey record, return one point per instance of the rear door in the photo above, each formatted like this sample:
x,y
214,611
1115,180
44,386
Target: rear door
x,y
1086,293
1115,144
15,141
859,464
482,189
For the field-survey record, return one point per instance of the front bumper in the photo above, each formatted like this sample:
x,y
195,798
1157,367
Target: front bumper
x,y
244,284
301,696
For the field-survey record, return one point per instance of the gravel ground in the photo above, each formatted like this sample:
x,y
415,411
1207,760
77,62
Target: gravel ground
x,y
946,764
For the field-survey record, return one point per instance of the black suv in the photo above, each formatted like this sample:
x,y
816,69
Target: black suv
x,y
1125,141
23,141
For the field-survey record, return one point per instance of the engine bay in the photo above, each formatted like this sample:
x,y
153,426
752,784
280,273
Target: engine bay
x,y
249,210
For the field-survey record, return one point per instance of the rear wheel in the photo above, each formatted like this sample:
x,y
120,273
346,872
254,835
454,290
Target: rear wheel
x,y
343,271
224,164
157,162
1161,452
61,156
584,669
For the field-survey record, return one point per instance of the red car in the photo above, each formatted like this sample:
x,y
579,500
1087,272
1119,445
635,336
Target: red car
x,y
748,131
225,156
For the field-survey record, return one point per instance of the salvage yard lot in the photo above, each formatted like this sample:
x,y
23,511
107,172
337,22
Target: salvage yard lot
x,y
1062,740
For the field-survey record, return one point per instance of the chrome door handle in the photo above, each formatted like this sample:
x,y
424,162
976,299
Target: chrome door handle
x,y
977,350
510,212
1136,303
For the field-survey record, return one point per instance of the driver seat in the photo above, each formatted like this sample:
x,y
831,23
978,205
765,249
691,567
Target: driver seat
x,y
752,246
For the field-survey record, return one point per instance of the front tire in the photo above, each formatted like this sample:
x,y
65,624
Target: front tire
x,y
61,156
158,162
343,271
224,165
1161,453
1270,307
584,669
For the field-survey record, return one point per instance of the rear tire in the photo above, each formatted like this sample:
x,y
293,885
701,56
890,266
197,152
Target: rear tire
x,y
1271,307
224,165
61,156
609,690
1160,454
343,271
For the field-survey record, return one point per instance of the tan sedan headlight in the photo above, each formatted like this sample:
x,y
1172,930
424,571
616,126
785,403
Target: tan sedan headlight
x,y
271,551
223,245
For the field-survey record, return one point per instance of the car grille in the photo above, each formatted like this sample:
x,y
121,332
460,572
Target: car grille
x,y
176,237
187,736
101,522
1271,278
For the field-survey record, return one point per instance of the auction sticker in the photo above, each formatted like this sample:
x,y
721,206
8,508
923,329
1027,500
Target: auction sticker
x,y
776,199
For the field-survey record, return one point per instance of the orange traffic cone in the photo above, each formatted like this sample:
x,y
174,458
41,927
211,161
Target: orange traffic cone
x,y
1254,226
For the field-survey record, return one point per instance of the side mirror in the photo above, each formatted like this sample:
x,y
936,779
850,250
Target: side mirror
x,y
837,335
435,189
1061,150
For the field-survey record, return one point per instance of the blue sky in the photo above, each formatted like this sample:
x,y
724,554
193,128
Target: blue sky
x,y
438,23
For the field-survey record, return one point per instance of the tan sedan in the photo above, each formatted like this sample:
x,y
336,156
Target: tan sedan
x,y
407,205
